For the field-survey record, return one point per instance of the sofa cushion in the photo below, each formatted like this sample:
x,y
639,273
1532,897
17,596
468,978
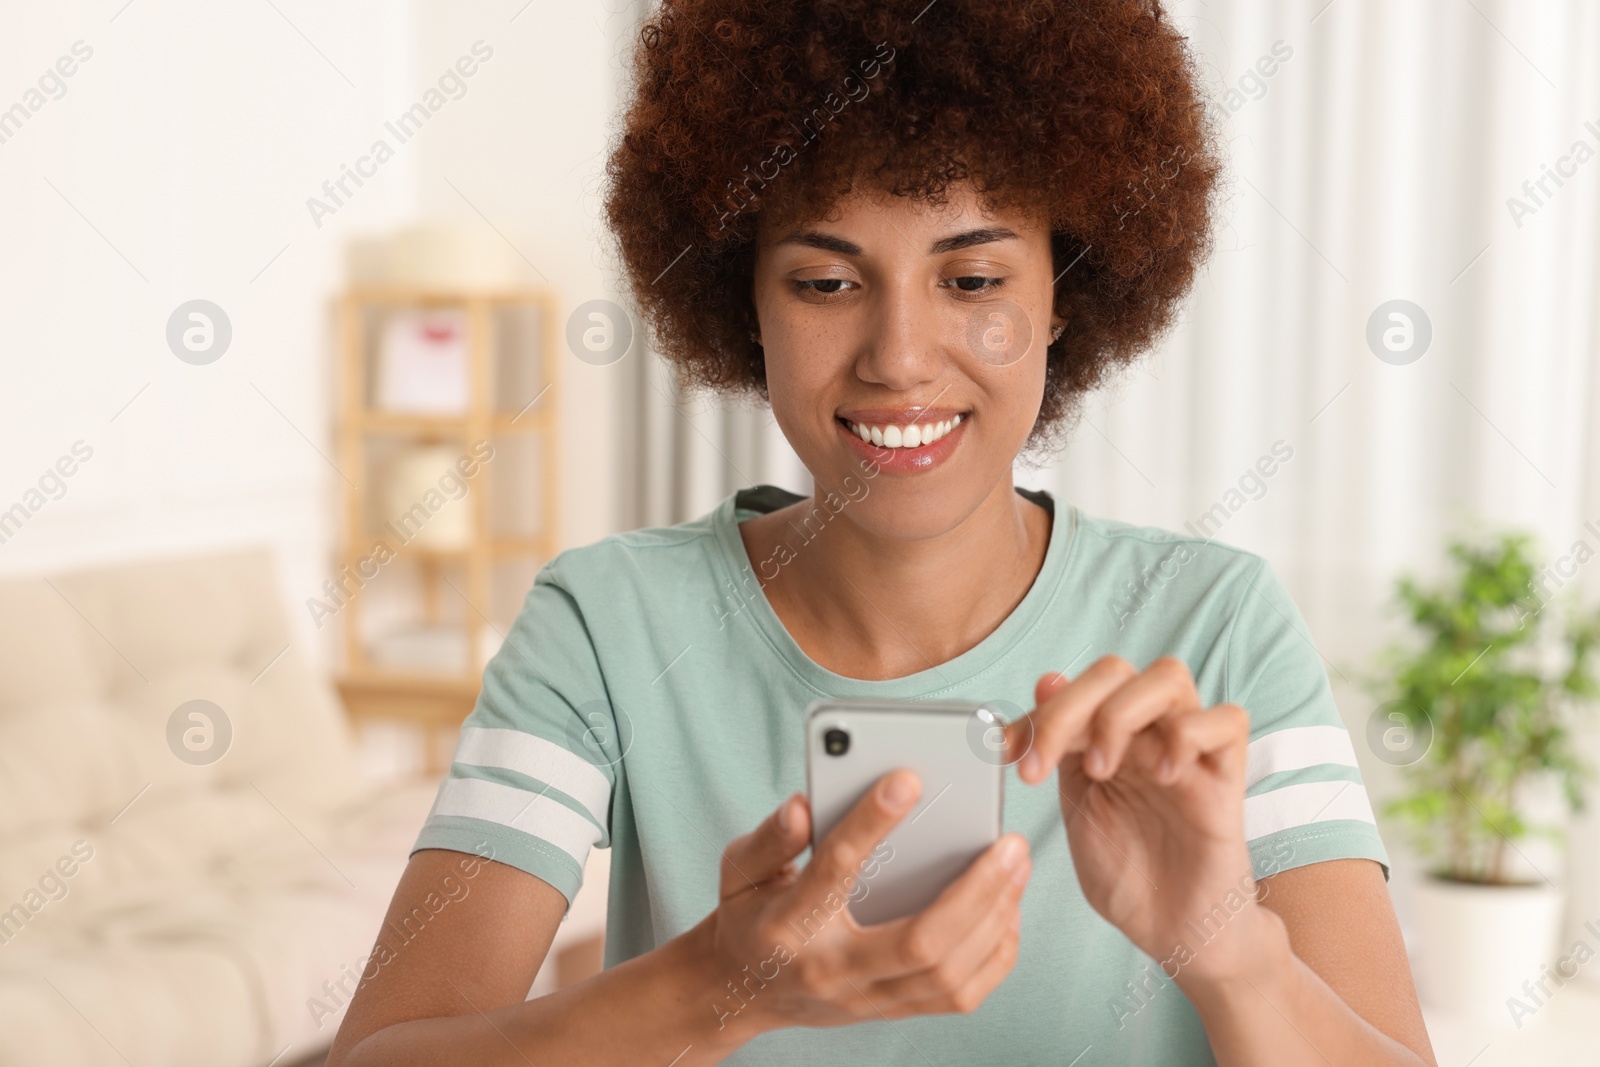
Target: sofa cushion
x,y
210,905
43,648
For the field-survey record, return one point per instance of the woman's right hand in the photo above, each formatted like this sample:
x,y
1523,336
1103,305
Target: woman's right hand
x,y
795,956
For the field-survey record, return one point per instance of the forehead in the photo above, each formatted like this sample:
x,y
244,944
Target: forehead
x,y
964,217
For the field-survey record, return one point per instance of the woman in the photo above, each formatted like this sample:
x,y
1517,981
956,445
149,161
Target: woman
x,y
921,231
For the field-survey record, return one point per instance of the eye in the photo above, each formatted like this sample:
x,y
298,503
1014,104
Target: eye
x,y
975,283
820,290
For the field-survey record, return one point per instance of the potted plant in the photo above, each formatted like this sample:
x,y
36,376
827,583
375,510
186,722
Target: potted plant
x,y
1478,715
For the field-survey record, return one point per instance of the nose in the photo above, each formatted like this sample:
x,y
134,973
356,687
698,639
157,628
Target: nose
x,y
903,347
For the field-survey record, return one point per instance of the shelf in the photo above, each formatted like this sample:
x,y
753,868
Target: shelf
x,y
540,545
448,425
421,680
377,679
513,341
436,703
432,297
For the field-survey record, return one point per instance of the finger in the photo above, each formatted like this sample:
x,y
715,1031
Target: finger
x,y
921,941
765,852
976,989
1146,750
1018,738
989,976
1161,689
1048,686
944,978
1222,732
1057,725
838,859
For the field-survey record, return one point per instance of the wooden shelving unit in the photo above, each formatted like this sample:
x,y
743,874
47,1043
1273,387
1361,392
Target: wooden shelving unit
x,y
511,395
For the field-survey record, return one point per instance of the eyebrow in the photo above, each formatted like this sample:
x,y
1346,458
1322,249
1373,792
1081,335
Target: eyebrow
x,y
955,242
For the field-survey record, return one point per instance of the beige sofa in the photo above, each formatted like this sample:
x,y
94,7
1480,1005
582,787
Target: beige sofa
x,y
159,907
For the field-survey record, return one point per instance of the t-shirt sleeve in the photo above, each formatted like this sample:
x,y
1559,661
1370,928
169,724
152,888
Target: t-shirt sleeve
x,y
531,781
1304,797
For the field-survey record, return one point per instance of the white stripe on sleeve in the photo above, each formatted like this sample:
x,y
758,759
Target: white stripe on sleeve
x,y
1297,748
537,758
519,809
1303,805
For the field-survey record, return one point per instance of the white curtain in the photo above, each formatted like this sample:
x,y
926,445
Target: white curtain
x,y
1373,163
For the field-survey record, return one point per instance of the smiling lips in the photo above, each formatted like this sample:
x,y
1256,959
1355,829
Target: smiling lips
x,y
904,435
904,440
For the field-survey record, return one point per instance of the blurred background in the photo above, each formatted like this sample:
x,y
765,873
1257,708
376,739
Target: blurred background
x,y
314,352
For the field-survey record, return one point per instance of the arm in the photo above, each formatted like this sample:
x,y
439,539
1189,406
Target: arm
x,y
1332,984
456,993
1303,967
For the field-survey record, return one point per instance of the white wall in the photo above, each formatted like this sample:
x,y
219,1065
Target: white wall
x,y
523,153
177,165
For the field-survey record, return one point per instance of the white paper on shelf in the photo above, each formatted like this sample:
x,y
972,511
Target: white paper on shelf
x,y
422,362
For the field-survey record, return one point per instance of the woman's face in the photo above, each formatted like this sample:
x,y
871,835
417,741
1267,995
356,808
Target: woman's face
x,y
906,322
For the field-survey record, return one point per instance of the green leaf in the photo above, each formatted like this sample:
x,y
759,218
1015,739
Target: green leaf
x,y
1474,668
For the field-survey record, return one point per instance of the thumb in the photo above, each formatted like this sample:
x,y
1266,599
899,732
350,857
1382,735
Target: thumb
x,y
766,851
1019,734
1049,685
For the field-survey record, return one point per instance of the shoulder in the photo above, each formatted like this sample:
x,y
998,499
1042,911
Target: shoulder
x,y
1219,607
649,555
1226,611
652,576
1144,561
1227,606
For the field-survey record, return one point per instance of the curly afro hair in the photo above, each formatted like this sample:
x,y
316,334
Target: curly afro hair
x,y
1086,114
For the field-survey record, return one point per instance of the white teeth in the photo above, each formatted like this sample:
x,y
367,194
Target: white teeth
x,y
912,435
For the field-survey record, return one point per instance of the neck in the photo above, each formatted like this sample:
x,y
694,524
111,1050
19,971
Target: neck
x,y
872,607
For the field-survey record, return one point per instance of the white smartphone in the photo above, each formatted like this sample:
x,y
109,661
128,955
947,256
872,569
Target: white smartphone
x,y
850,744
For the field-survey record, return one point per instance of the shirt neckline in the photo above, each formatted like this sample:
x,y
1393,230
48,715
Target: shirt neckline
x,y
933,681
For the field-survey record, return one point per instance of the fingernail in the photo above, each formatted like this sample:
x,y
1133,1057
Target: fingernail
x,y
1030,765
1011,853
786,815
1094,761
898,792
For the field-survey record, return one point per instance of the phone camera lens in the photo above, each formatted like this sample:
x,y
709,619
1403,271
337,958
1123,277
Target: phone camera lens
x,y
836,742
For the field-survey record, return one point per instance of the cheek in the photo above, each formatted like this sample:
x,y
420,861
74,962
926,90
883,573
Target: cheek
x,y
804,371
797,391
1014,395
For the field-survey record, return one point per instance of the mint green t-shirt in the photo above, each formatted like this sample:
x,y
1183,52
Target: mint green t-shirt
x,y
647,699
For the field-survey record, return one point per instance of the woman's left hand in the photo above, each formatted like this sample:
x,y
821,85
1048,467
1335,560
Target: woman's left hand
x,y
1152,794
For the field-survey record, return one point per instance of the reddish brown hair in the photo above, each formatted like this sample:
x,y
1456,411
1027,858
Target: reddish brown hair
x,y
1085,113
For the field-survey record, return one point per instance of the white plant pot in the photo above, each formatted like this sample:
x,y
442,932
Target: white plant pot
x,y
1479,944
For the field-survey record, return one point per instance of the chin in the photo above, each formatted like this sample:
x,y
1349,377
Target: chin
x,y
899,507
